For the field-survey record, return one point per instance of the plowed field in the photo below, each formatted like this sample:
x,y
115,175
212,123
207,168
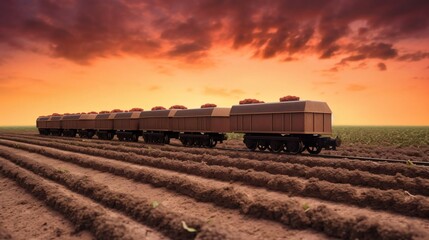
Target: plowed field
x,y
69,188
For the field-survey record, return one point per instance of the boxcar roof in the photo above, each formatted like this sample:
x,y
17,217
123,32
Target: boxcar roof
x,y
105,116
281,107
56,118
72,117
204,112
126,115
158,113
42,118
88,116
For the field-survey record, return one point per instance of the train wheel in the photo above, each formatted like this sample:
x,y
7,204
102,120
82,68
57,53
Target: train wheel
x,y
251,144
90,134
314,149
191,142
166,139
213,143
110,136
135,137
295,147
262,145
184,141
276,146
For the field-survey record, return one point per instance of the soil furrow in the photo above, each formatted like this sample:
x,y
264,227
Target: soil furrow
x,y
141,209
4,234
136,199
390,200
82,213
17,211
288,212
354,177
372,167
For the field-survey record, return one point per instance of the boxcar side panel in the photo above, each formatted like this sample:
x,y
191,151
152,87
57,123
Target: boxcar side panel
x,y
318,122
86,124
308,122
104,124
297,122
126,124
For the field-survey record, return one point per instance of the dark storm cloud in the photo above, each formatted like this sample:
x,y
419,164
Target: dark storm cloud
x,y
81,30
417,56
374,50
381,66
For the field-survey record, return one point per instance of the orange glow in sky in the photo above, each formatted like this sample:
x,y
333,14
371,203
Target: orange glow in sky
x,y
371,67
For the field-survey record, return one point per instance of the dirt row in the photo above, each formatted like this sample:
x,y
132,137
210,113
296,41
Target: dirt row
x,y
412,153
140,209
4,234
95,219
17,211
289,212
354,177
390,200
314,161
248,227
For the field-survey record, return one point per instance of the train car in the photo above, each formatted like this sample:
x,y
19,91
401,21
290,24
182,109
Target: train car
x,y
290,126
202,127
70,124
156,125
104,125
126,125
41,124
54,124
86,127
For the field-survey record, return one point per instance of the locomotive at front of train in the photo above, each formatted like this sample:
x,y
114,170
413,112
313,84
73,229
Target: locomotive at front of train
x,y
290,126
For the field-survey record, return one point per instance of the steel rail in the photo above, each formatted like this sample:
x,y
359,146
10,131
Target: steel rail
x,y
345,158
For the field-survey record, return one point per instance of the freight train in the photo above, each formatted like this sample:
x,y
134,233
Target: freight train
x,y
289,126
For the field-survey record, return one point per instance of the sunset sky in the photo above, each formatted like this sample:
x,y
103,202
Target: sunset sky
x,y
369,60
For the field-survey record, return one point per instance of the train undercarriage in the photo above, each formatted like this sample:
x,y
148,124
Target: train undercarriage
x,y
293,144
209,140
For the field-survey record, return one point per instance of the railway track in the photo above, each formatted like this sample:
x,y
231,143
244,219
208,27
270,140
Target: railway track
x,y
341,157
408,162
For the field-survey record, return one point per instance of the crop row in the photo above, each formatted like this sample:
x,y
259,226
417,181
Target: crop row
x,y
140,209
314,161
4,234
413,205
94,219
288,212
354,177
391,200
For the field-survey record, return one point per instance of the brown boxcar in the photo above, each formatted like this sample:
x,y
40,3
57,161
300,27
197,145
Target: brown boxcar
x,y
70,124
86,125
292,126
156,120
126,125
41,124
156,126
104,125
208,120
202,127
126,121
54,124
294,117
